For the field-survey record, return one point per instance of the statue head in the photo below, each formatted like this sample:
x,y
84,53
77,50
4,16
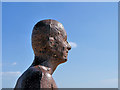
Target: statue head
x,y
49,41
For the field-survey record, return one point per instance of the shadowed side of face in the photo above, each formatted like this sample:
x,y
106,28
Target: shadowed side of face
x,y
49,39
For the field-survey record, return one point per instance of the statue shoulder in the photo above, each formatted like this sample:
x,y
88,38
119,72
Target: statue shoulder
x,y
32,71
30,78
35,69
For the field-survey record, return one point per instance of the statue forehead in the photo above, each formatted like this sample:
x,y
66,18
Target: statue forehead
x,y
50,26
52,23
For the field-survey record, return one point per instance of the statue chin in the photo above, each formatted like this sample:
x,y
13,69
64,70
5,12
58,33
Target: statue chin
x,y
64,60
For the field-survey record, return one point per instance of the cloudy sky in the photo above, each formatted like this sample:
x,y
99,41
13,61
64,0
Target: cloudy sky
x,y
92,32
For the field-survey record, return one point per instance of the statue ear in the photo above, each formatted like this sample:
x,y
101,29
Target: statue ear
x,y
51,41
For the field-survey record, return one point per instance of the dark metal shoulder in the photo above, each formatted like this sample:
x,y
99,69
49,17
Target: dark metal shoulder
x,y
29,79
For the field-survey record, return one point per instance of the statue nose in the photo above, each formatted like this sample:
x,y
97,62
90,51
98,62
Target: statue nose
x,y
69,47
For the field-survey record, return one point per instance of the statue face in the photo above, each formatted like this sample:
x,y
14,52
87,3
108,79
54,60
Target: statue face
x,y
59,43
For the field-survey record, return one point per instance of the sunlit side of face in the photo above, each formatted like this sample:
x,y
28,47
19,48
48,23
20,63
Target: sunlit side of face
x,y
60,46
63,47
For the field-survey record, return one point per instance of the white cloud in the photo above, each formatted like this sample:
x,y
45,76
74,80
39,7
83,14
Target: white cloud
x,y
10,78
111,82
73,44
14,63
11,73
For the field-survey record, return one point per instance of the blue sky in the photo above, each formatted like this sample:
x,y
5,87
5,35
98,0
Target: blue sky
x,y
92,30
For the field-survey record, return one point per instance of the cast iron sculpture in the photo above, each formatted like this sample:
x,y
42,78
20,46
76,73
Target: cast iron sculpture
x,y
49,42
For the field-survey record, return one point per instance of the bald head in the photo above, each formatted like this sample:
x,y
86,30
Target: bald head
x,y
49,39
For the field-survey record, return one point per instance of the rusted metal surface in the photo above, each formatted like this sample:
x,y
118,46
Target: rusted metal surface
x,y
50,46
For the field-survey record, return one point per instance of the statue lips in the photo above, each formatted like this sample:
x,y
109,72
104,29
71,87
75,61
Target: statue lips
x,y
65,56
67,51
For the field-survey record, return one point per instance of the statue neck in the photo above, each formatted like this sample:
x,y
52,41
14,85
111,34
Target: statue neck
x,y
46,63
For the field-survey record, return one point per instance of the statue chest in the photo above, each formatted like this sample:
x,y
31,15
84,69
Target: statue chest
x,y
47,81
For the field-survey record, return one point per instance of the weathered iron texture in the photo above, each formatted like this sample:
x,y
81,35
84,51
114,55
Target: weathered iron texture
x,y
49,42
